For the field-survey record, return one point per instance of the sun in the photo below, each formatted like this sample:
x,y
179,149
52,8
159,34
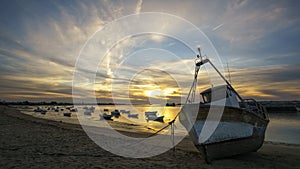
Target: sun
x,y
154,93
161,93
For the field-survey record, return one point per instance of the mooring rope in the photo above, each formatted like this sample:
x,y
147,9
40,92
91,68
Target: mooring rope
x,y
187,100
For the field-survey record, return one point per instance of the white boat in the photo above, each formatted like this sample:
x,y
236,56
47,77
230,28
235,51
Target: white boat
x,y
152,115
155,118
125,111
133,115
87,112
73,110
240,124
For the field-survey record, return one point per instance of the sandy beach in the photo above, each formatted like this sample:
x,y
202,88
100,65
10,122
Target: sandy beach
x,y
29,142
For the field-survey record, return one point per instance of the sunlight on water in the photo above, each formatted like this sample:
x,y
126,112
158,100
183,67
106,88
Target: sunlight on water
x,y
135,116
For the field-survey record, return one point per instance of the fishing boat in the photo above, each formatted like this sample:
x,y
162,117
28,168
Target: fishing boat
x,y
133,115
152,115
115,113
67,114
87,112
170,104
43,112
73,110
38,109
223,124
125,111
105,116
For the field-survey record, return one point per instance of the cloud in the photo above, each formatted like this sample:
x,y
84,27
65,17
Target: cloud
x,y
268,82
40,41
217,27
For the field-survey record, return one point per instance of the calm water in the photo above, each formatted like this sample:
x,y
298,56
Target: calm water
x,y
284,128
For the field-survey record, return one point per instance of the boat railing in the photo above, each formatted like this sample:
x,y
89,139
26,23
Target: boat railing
x,y
254,106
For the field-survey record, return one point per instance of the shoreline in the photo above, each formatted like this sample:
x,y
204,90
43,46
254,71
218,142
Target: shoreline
x,y
30,142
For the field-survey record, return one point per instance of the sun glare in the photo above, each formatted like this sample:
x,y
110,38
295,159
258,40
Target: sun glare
x,y
161,93
154,93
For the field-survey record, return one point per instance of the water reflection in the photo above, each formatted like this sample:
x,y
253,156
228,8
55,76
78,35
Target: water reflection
x,y
284,128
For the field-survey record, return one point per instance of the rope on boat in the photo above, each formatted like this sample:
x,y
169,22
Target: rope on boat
x,y
191,94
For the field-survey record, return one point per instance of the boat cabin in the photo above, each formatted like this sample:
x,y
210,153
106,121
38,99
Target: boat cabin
x,y
219,95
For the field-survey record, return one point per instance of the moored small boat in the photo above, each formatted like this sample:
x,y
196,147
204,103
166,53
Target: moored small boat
x,y
125,111
67,114
115,113
133,115
152,115
170,104
73,110
105,116
38,109
43,112
87,112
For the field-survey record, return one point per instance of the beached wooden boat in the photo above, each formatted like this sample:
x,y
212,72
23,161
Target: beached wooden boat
x,y
240,130
224,124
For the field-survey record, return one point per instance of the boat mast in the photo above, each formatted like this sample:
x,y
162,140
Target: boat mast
x,y
203,61
229,76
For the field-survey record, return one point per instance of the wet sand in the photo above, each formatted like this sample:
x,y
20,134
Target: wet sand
x,y
28,142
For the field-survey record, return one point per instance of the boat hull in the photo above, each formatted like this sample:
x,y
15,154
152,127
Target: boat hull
x,y
231,147
238,131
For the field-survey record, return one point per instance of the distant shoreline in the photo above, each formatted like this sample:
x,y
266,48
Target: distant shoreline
x,y
271,106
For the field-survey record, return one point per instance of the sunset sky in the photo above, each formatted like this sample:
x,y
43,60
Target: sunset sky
x,y
41,40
